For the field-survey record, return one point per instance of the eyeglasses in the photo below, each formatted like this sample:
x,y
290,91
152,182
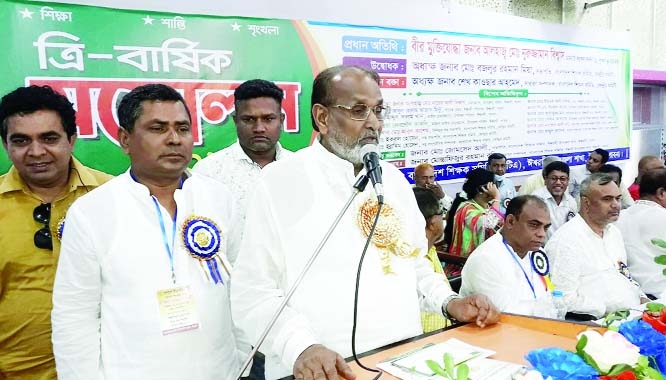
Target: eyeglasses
x,y
361,112
42,214
556,179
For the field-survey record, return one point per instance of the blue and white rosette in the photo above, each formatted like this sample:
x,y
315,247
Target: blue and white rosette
x,y
203,239
540,262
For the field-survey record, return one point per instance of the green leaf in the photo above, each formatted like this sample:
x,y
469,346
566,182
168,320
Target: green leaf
x,y
618,369
664,272
448,364
653,374
643,361
463,372
588,359
658,242
654,306
582,342
436,368
661,259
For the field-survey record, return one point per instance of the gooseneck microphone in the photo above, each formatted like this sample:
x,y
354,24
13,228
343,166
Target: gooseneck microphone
x,y
370,155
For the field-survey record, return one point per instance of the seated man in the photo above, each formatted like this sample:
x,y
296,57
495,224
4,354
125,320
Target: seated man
x,y
616,173
535,181
588,256
645,164
434,230
424,177
595,160
497,164
509,267
640,224
561,205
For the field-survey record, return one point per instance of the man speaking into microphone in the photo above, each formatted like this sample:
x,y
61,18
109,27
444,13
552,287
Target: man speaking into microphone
x,y
295,202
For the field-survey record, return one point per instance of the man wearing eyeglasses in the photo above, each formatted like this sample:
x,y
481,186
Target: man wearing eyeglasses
x,y
141,287
562,207
294,204
38,130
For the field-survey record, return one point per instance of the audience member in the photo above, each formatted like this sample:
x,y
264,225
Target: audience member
x,y
588,255
561,205
424,177
616,173
38,129
474,217
645,164
509,267
535,181
640,225
497,165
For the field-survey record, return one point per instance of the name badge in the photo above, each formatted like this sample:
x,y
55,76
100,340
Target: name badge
x,y
178,310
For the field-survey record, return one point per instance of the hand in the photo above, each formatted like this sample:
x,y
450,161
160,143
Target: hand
x,y
477,308
437,189
492,191
319,363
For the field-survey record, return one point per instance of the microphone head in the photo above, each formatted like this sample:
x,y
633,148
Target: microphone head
x,y
367,149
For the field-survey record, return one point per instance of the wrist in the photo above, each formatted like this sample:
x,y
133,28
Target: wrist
x,y
493,201
445,307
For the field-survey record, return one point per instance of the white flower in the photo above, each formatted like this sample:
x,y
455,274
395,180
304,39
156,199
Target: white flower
x,y
610,349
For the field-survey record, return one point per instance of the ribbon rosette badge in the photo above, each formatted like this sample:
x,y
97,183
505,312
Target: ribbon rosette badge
x,y
388,233
202,237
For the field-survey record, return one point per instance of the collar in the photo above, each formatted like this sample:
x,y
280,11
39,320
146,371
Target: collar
x,y
240,155
330,159
648,202
79,176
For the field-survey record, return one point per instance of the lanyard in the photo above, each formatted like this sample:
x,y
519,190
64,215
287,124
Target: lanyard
x,y
169,248
515,258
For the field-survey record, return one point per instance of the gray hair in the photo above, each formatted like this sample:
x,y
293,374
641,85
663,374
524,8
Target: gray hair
x,y
600,179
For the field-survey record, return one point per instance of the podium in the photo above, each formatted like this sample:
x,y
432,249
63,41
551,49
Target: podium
x,y
512,338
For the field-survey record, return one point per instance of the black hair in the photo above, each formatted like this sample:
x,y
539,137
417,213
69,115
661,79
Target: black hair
x,y
652,181
258,88
427,202
129,109
321,86
516,204
26,100
556,166
603,153
610,168
496,156
472,186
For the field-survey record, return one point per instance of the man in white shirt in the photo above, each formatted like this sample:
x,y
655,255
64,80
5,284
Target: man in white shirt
x,y
259,121
616,173
141,289
640,225
595,160
588,255
497,165
509,267
295,203
535,181
561,205
424,177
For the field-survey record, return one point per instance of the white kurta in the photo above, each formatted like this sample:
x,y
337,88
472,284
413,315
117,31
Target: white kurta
x,y
640,223
507,192
492,270
113,261
234,168
559,214
585,267
295,203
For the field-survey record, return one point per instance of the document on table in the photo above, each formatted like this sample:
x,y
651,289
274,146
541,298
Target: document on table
x,y
412,365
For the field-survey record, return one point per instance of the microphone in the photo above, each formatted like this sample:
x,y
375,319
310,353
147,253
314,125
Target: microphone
x,y
370,155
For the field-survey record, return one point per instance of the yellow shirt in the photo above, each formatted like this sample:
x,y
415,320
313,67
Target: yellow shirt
x,y
27,273
434,321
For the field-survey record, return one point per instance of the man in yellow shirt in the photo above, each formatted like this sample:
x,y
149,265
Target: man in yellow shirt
x,y
38,130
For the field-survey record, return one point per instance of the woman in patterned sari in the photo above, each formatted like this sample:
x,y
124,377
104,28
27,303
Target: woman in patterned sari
x,y
474,216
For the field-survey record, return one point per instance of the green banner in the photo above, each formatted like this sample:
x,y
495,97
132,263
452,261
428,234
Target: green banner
x,y
81,53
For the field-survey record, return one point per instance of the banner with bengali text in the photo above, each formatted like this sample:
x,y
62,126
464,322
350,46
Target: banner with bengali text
x,y
455,97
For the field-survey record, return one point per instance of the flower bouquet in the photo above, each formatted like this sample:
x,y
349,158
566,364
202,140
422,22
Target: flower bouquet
x,y
655,315
637,351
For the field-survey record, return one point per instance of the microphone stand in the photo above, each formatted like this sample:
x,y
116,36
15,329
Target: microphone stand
x,y
358,187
